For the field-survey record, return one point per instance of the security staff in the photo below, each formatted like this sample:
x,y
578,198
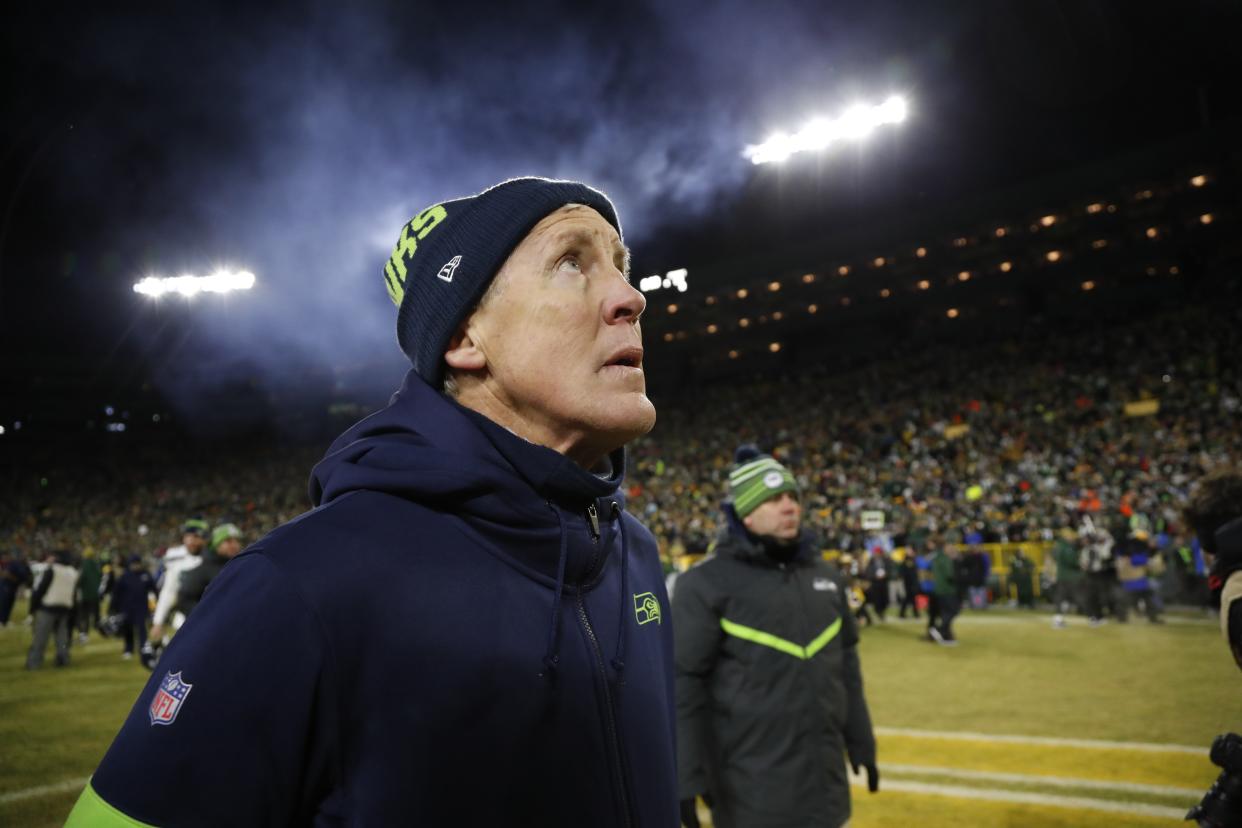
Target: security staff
x,y
769,689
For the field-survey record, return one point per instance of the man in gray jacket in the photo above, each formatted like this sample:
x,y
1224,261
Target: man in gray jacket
x,y
769,689
52,604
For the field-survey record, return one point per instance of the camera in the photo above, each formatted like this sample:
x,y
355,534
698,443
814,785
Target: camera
x,y
1221,806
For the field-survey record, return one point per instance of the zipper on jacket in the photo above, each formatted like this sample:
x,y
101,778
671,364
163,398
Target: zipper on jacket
x,y
806,666
593,520
614,740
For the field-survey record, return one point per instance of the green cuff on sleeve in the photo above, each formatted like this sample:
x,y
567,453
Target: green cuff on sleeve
x,y
93,812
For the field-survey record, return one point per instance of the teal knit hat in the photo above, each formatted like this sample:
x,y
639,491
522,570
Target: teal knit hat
x,y
757,478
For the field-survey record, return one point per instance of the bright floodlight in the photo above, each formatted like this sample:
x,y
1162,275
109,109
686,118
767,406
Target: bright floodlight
x,y
222,281
855,124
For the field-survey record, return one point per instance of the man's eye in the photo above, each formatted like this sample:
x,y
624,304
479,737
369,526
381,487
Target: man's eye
x,y
570,262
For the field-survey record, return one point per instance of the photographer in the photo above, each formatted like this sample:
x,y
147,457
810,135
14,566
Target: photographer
x,y
1215,514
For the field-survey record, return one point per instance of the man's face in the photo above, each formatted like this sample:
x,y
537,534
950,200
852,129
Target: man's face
x,y
561,338
228,548
779,517
193,542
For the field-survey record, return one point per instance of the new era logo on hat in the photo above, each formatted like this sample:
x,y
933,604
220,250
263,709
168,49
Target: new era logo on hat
x,y
446,272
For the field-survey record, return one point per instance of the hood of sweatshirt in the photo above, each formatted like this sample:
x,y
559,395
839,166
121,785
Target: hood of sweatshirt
x,y
524,503
426,448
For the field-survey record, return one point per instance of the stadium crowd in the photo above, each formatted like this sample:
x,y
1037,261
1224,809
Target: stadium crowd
x,y
993,444
957,444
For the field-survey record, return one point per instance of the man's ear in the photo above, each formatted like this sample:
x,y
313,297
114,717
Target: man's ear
x,y
462,352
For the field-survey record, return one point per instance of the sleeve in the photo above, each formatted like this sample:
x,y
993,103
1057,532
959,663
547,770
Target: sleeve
x,y
193,583
36,597
168,596
118,596
696,644
859,737
235,726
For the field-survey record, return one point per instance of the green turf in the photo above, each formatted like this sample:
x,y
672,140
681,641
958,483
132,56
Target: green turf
x,y
56,723
1012,674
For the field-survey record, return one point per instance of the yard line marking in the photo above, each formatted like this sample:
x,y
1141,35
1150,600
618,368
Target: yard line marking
x,y
1025,798
1039,779
44,790
1053,741
1045,619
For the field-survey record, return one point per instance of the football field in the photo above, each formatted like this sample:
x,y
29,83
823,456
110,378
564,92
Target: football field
x,y
1021,725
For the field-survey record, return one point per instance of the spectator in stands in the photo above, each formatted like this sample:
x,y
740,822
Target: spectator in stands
x,y
468,600
51,604
769,688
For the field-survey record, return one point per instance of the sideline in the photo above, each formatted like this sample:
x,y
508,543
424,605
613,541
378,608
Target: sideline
x,y
1024,798
1044,618
1054,741
44,790
1038,779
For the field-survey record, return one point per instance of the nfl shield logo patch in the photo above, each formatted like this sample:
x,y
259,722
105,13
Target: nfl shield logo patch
x,y
168,699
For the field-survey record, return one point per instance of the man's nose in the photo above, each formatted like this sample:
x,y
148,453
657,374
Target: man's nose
x,y
625,303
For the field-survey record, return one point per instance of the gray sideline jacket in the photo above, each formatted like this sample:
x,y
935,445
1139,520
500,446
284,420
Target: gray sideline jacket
x,y
769,690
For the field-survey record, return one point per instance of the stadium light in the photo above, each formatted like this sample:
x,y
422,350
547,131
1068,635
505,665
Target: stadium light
x,y
188,285
672,279
855,124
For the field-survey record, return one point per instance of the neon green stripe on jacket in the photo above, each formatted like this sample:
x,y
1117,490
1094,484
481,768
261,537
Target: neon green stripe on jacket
x,y
93,812
777,643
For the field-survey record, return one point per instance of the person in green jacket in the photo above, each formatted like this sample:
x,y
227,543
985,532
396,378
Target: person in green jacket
x,y
89,577
948,595
1021,571
769,688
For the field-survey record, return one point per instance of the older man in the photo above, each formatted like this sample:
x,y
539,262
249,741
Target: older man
x,y
468,629
769,690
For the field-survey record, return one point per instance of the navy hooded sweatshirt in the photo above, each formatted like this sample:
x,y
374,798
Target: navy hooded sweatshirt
x,y
466,630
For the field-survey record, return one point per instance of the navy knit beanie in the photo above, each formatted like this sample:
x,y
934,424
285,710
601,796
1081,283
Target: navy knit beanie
x,y
449,253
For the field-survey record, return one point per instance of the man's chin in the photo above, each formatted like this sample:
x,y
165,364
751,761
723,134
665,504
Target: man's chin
x,y
632,415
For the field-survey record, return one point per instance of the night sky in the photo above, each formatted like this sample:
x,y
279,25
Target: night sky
x,y
295,140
